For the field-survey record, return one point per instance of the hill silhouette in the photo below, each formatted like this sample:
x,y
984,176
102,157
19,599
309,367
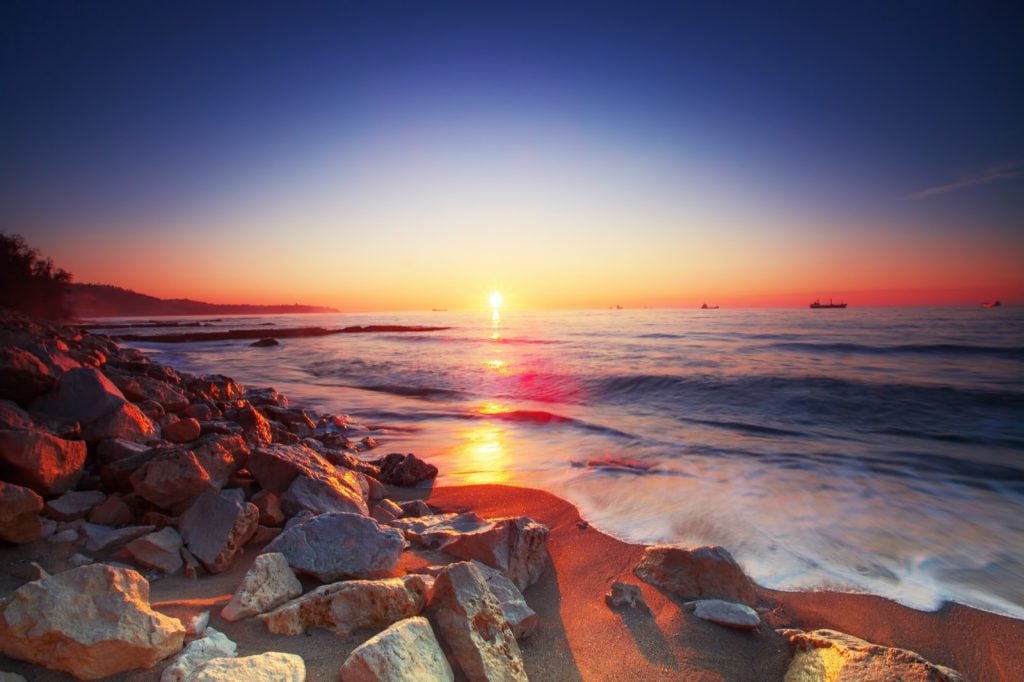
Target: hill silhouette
x,y
104,300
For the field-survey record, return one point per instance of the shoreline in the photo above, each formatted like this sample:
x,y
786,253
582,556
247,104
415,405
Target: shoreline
x,y
579,636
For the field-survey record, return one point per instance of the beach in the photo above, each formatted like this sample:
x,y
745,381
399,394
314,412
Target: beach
x,y
577,634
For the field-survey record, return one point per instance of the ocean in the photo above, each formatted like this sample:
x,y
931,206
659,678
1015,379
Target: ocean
x,y
869,450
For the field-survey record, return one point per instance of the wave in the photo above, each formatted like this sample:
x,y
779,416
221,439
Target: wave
x,y
955,349
425,392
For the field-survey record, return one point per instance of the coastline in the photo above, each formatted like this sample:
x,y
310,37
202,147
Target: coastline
x,y
579,636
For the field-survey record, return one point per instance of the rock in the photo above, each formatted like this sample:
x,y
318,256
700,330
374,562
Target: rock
x,y
263,535
77,560
213,644
268,584
516,546
413,508
350,605
520,617
73,505
45,463
265,343
101,538
68,535
625,594
199,411
269,504
696,573
91,621
405,652
160,550
216,527
83,394
139,388
195,626
22,375
386,511
215,386
275,467
125,421
11,677
113,511
437,530
192,566
254,425
405,470
727,613
831,655
19,514
338,493
272,666
471,623
221,456
339,545
12,416
170,479
115,449
182,431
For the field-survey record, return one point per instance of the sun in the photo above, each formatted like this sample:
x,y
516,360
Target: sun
x,y
495,299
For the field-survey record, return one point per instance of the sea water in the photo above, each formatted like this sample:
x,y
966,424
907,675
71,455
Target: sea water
x,y
874,450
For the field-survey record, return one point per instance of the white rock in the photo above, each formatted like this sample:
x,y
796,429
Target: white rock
x,y
214,644
269,583
407,651
272,666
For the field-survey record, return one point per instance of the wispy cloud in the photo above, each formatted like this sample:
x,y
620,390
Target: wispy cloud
x,y
1003,171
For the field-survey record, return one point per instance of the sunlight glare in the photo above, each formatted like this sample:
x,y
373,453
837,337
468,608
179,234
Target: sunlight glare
x,y
495,299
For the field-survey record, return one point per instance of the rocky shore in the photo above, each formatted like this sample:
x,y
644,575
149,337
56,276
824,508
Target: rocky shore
x,y
160,526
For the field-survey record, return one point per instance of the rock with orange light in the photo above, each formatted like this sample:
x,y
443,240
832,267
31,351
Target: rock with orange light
x,y
125,421
269,583
338,545
827,654
83,394
515,546
182,431
22,375
272,666
472,624
338,492
696,573
93,621
172,478
405,470
43,462
407,650
350,605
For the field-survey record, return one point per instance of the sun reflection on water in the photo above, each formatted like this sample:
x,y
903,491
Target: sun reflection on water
x,y
482,456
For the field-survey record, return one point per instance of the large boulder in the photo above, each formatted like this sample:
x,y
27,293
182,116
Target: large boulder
x,y
696,573
91,621
272,666
269,583
406,651
213,644
727,613
338,545
471,622
515,546
521,618
405,470
22,375
216,527
350,605
171,479
83,394
831,655
254,425
124,421
19,514
275,467
45,463
434,531
322,494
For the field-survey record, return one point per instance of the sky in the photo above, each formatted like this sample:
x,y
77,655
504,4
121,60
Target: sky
x,y
417,155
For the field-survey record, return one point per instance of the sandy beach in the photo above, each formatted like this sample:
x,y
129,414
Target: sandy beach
x,y
579,636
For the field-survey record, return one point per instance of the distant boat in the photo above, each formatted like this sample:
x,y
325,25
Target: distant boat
x,y
709,307
992,304
830,304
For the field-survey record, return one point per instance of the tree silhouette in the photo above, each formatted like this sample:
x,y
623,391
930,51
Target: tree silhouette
x,y
30,283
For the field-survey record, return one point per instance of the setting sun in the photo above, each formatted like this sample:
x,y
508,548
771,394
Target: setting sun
x,y
495,299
